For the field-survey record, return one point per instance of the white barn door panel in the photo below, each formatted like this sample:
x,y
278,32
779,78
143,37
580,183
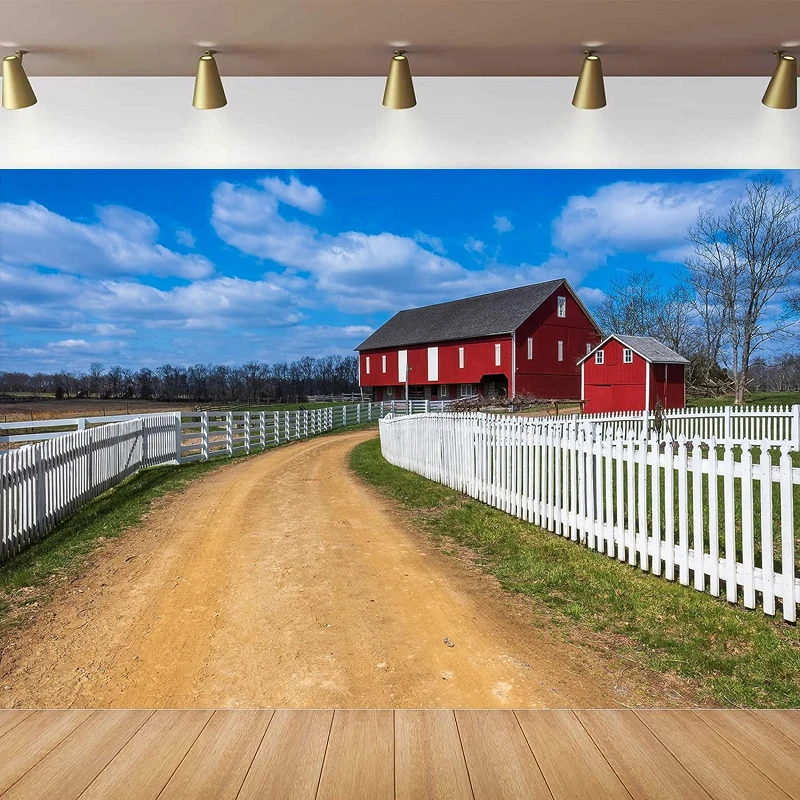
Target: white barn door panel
x,y
402,362
433,363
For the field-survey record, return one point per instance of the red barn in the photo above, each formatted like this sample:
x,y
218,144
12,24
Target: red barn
x,y
632,373
518,341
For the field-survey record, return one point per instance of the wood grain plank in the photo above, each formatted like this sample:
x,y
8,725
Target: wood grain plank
x,y
429,761
359,762
499,761
217,764
568,758
718,767
144,766
787,722
31,740
9,719
642,763
289,760
79,758
772,752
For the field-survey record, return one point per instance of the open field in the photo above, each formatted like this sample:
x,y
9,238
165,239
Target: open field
x,y
752,399
280,579
736,657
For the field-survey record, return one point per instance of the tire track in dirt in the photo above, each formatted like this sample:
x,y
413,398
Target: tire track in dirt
x,y
282,581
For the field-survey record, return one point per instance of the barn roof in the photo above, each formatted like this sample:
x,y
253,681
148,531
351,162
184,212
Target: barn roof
x,y
470,318
646,346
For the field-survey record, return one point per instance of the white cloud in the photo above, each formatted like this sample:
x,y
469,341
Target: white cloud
x,y
122,242
434,242
473,245
590,296
185,238
502,224
630,216
295,194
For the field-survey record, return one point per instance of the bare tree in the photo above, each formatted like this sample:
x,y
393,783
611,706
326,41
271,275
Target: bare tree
x,y
743,261
96,370
631,305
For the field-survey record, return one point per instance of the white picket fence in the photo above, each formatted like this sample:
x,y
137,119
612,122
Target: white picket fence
x,y
727,424
70,461
42,484
704,513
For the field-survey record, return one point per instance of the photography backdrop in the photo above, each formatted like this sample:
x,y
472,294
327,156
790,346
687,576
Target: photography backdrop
x,y
460,122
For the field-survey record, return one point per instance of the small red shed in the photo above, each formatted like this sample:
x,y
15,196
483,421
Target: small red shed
x,y
632,373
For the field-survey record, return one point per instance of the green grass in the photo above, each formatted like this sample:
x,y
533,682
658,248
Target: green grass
x,y
752,399
734,657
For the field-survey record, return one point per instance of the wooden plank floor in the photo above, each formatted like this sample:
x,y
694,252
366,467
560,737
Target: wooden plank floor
x,y
403,754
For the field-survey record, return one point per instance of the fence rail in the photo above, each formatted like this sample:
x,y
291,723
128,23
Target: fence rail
x,y
70,461
710,515
726,424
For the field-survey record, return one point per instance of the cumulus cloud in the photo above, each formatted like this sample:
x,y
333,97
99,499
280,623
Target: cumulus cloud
x,y
473,245
121,242
434,242
185,238
295,193
633,216
502,224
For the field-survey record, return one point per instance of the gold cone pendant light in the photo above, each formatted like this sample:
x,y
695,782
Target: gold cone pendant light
x,y
399,92
17,92
590,92
208,91
782,89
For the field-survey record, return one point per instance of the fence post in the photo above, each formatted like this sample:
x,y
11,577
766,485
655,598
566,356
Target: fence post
x,y
204,434
344,416
728,424
82,424
796,426
427,406
178,437
229,433
247,432
358,414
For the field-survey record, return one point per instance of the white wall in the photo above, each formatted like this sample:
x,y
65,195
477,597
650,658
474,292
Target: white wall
x,y
459,122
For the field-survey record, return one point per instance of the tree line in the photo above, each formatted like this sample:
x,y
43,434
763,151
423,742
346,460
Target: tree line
x,y
735,303
218,383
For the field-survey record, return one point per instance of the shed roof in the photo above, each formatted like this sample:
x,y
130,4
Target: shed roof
x,y
647,347
470,318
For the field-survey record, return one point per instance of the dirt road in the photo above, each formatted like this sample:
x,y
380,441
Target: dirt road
x,y
282,581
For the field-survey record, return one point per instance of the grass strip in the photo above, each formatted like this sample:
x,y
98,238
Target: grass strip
x,y
735,657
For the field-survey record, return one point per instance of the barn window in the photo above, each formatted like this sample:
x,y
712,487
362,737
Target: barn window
x,y
465,390
497,355
598,357
561,351
562,306
367,365
627,356
388,391
461,358
384,363
588,348
530,348
443,390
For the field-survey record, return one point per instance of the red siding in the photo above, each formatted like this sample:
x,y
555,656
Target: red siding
x,y
617,386
479,360
614,385
544,375
667,383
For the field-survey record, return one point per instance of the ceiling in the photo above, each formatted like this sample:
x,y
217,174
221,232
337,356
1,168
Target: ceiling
x,y
356,37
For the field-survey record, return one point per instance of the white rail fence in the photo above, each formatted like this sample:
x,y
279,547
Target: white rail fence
x,y
27,431
727,424
60,468
717,517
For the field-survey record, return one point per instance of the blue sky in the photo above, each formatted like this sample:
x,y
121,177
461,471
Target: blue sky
x,y
140,267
